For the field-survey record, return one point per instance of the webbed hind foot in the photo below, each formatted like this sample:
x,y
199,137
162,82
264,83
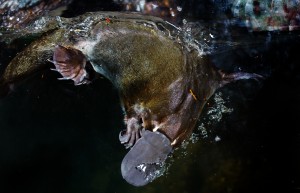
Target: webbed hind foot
x,y
228,78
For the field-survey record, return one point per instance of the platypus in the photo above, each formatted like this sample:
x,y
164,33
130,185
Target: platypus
x,y
163,82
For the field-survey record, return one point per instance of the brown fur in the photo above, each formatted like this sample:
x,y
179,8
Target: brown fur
x,y
162,85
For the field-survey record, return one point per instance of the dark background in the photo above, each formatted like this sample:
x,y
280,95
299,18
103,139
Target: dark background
x,y
55,137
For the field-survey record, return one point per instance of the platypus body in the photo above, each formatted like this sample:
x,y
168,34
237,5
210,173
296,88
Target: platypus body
x,y
163,83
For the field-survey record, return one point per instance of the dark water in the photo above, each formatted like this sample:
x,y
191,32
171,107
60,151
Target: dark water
x,y
55,137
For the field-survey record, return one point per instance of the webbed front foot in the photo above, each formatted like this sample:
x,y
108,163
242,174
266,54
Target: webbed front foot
x,y
133,132
70,63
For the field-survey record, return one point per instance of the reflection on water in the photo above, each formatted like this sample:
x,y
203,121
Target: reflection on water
x,y
55,137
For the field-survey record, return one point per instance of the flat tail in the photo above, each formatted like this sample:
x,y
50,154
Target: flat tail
x,y
232,77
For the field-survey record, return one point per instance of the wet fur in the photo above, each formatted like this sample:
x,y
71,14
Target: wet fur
x,y
163,85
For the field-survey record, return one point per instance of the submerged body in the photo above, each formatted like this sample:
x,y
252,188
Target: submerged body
x,y
162,83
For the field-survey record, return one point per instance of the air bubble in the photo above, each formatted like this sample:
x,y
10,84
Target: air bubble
x,y
217,138
179,8
216,112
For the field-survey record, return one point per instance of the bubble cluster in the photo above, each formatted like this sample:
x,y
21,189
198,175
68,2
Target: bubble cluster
x,y
216,112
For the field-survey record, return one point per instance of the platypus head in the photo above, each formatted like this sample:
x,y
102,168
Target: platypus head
x,y
145,161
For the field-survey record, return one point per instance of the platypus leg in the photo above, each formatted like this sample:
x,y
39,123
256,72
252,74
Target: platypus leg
x,y
137,119
70,63
133,132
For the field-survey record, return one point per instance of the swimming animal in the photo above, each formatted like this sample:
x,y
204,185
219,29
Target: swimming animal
x,y
162,81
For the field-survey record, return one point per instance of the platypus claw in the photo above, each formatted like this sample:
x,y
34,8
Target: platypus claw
x,y
129,139
133,132
123,137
